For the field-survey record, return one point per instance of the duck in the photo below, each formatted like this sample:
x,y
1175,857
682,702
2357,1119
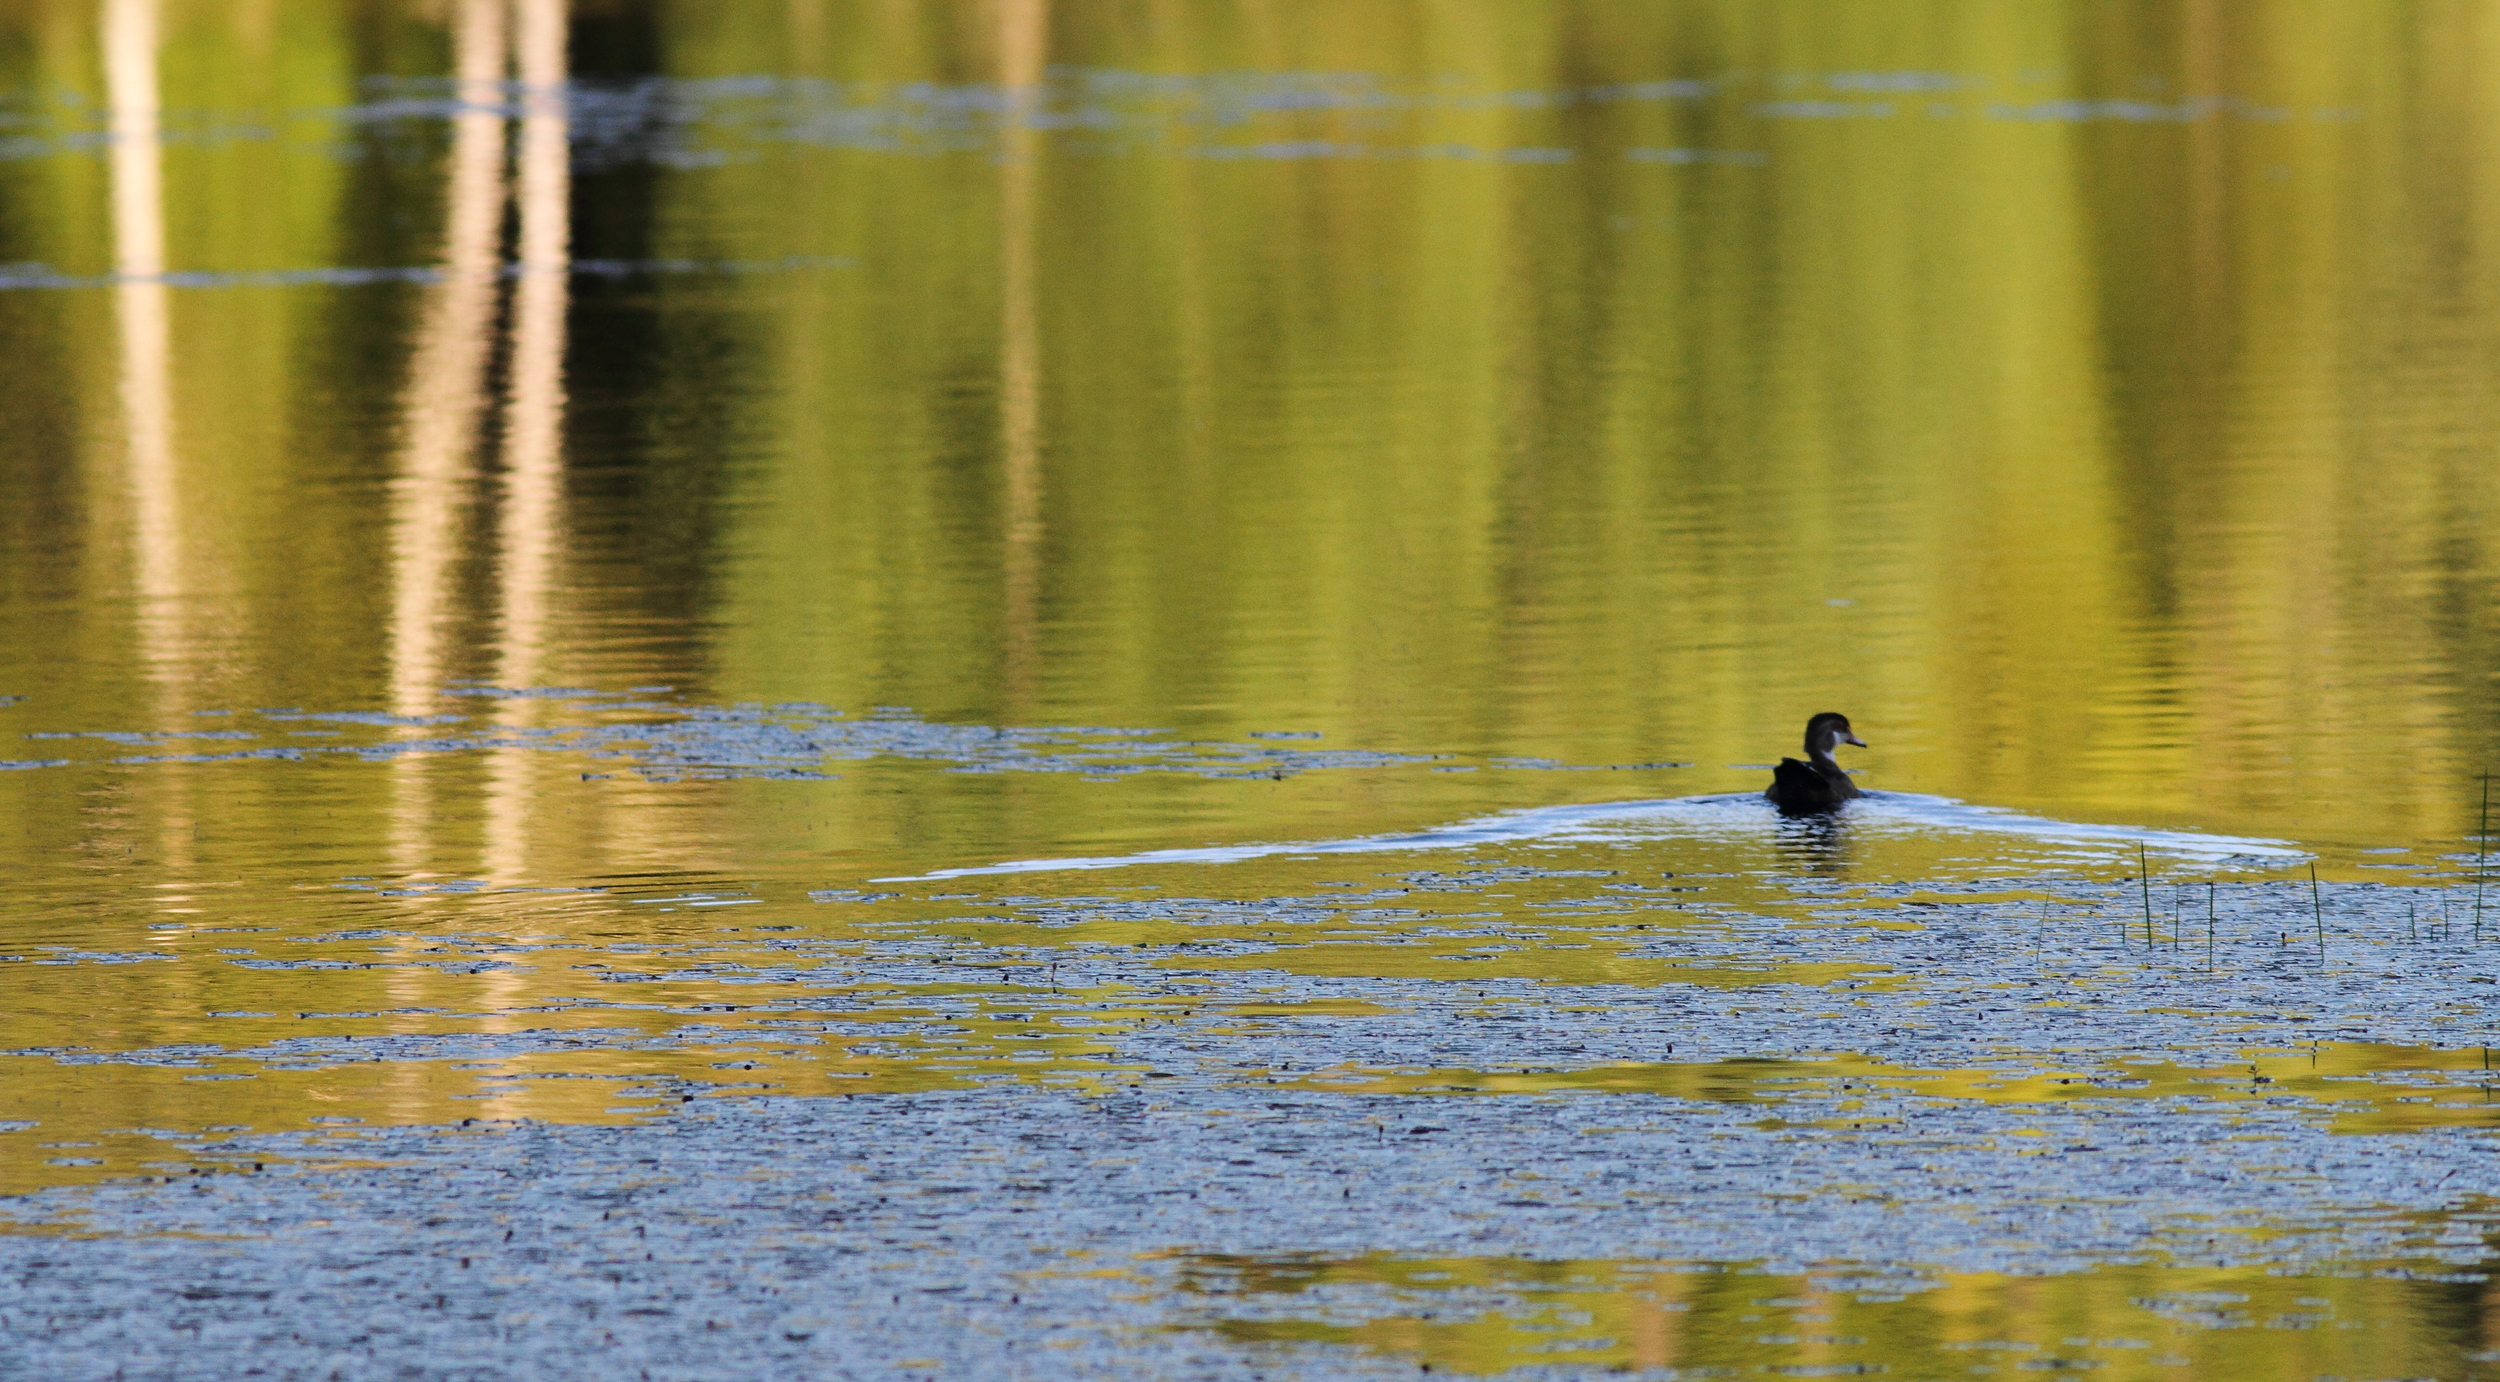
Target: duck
x,y
1818,784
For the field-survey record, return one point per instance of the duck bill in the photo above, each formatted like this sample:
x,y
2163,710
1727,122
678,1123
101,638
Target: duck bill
x,y
1847,738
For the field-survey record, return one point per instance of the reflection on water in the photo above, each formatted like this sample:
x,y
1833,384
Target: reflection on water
x,y
1814,844
582,562
1461,406
1488,1316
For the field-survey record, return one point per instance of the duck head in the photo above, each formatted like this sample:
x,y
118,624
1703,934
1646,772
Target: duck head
x,y
1826,730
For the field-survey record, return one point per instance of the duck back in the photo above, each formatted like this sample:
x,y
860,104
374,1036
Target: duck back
x,y
1797,786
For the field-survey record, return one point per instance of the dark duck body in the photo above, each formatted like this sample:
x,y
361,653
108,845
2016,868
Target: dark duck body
x,y
1818,784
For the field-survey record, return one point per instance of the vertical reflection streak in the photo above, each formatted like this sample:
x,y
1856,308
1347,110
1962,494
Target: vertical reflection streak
x,y
534,430
146,327
533,441
1023,35
447,377
145,318
446,398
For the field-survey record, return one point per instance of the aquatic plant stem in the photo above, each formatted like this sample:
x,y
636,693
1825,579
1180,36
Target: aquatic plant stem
x,y
2482,848
2144,880
2209,928
2317,909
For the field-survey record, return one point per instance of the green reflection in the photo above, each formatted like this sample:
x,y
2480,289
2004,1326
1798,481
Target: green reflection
x,y
1485,1316
2085,404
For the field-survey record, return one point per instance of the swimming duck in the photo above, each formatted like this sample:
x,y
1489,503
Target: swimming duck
x,y
1817,784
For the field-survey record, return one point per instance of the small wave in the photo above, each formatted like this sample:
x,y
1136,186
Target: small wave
x,y
1722,814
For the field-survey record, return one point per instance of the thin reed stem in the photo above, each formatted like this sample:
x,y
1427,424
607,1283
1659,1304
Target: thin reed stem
x,y
2317,909
2482,848
2144,880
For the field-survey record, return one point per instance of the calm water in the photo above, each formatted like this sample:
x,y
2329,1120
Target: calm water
x,y
548,556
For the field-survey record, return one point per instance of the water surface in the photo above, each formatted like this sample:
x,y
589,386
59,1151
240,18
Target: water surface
x,y
636,586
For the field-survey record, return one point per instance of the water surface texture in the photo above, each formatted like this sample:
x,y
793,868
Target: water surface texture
x,y
1008,690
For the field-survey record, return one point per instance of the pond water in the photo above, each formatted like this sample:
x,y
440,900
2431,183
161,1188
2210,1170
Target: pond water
x,y
1019,690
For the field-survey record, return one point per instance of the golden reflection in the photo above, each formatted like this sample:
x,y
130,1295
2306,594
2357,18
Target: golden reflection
x,y
2008,426
1604,459
447,374
436,487
533,494
130,42
1023,39
2367,1088
713,1048
142,305
1488,1316
532,518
